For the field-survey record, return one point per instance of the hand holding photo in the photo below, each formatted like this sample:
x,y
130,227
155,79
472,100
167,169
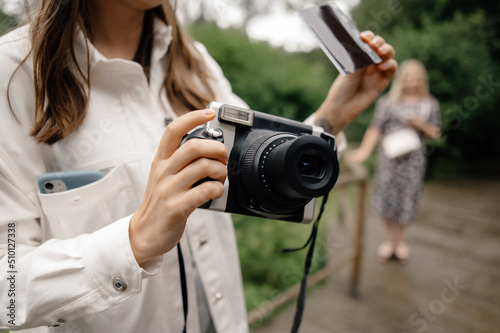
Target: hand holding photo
x,y
339,38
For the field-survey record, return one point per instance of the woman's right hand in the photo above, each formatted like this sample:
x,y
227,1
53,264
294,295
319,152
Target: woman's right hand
x,y
370,140
355,157
157,226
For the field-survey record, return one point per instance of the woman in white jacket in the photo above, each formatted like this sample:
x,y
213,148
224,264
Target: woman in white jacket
x,y
88,84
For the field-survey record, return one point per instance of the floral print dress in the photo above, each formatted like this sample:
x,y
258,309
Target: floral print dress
x,y
398,181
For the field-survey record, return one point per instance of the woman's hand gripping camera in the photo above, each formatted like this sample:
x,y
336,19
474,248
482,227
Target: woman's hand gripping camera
x,y
157,226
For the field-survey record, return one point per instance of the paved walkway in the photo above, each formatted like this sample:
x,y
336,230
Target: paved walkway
x,y
451,285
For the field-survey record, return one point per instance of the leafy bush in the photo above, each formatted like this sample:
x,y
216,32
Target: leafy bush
x,y
266,270
458,41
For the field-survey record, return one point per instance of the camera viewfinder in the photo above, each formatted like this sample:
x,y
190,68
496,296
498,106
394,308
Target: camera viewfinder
x,y
237,115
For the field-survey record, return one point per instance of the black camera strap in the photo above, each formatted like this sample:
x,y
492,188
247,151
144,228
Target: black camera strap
x,y
301,300
182,271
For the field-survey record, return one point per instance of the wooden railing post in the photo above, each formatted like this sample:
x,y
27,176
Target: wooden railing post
x,y
358,238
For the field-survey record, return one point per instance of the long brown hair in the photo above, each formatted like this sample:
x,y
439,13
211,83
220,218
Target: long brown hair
x,y
62,86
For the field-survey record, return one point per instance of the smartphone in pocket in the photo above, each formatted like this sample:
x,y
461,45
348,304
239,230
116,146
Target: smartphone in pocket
x,y
60,181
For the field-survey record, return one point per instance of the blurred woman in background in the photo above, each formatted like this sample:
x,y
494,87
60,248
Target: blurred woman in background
x,y
398,179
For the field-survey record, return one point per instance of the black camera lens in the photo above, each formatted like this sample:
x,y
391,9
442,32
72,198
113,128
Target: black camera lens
x,y
304,167
48,186
283,172
311,166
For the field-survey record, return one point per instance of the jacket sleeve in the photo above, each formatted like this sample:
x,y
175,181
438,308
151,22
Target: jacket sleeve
x,y
45,280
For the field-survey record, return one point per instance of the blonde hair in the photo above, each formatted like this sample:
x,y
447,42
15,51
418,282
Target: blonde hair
x,y
61,97
396,90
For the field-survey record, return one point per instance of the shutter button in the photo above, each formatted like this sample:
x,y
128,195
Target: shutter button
x,y
119,284
214,132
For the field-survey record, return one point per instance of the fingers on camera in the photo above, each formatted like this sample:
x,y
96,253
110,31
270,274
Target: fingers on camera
x,y
197,148
174,132
201,169
211,190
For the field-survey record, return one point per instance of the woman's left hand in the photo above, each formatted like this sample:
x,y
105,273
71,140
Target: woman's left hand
x,y
350,95
420,124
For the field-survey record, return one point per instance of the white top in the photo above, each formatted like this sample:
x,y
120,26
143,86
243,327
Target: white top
x,y
72,247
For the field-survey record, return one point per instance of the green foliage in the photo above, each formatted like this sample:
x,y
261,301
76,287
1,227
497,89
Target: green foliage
x,y
268,79
6,23
458,41
266,270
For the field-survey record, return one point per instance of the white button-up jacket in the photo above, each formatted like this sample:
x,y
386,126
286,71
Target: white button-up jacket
x,y
73,267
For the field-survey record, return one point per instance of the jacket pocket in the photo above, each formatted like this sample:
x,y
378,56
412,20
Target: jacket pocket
x,y
89,208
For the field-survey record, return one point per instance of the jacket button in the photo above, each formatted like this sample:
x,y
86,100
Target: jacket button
x,y
218,296
119,284
57,323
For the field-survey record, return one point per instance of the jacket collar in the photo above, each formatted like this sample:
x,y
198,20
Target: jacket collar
x,y
162,37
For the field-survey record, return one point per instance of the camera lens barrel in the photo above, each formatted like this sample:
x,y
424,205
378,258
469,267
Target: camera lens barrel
x,y
284,172
303,168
